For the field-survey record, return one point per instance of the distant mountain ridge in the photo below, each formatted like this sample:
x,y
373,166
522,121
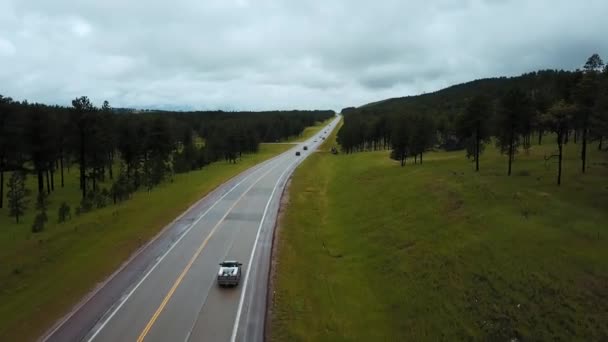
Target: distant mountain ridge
x,y
451,100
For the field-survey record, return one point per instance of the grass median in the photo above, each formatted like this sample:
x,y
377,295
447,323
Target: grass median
x,y
370,251
43,275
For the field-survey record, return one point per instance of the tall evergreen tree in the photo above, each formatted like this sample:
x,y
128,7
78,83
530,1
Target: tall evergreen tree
x,y
599,116
515,105
17,195
559,119
82,114
473,124
585,95
10,140
39,134
401,139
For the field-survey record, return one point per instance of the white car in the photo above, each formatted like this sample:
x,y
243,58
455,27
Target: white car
x,y
229,273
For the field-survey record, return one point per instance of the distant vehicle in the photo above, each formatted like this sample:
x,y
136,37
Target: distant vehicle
x,y
315,140
305,148
297,153
323,138
229,273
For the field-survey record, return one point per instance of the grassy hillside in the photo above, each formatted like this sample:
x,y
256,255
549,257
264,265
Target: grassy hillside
x,y
42,275
370,251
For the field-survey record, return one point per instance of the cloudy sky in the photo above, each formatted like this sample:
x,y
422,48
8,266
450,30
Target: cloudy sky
x,y
271,54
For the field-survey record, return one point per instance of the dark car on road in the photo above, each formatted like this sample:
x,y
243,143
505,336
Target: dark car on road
x,y
297,153
305,148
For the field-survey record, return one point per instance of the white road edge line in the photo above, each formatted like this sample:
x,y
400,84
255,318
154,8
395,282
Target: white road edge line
x,y
210,286
202,246
100,286
235,328
124,299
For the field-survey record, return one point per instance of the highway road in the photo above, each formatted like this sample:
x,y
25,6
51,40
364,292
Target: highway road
x,y
168,292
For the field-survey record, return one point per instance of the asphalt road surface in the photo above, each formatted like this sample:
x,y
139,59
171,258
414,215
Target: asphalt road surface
x,y
168,290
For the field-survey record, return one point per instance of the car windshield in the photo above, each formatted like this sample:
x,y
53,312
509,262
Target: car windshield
x,y
229,264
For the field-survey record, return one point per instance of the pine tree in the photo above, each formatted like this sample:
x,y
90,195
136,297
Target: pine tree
x,y
17,195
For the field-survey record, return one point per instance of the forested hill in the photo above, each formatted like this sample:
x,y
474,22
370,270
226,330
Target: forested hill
x,y
469,115
439,111
448,102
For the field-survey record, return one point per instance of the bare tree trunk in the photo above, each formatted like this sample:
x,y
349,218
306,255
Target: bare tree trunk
x,y
40,181
559,167
402,159
61,165
53,179
540,137
511,142
111,166
415,158
420,157
575,135
584,150
83,177
48,182
1,187
477,146
94,179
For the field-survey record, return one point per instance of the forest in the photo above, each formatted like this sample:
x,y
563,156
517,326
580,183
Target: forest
x,y
127,150
509,112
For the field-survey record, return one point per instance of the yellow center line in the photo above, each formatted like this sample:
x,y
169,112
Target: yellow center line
x,y
194,257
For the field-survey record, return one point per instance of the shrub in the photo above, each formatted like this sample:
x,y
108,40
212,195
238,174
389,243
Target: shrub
x,y
39,222
17,195
101,198
121,189
42,201
86,204
64,212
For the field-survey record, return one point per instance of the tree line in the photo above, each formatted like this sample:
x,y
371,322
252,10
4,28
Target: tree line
x,y
509,111
130,150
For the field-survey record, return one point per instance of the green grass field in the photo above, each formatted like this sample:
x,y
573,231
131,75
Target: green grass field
x,y
370,251
43,275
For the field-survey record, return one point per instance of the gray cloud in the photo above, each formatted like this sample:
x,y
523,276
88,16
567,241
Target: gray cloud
x,y
242,54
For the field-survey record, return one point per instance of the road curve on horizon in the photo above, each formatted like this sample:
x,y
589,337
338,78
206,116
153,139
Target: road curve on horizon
x,y
168,292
